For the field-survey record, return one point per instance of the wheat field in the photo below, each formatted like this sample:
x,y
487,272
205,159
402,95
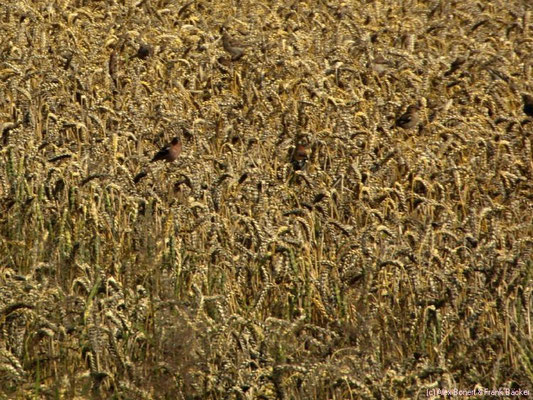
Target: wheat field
x,y
398,261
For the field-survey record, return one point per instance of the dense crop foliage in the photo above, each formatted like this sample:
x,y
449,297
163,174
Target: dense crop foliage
x,y
397,259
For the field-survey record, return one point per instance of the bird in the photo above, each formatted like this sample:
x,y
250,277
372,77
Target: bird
x,y
144,51
409,118
169,152
380,65
299,155
139,176
528,104
455,65
232,46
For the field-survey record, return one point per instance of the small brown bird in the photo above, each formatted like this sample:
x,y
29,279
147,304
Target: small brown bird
x,y
232,46
170,152
410,118
528,104
299,155
380,65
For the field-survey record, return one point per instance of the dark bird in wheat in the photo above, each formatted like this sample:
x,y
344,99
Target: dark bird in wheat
x,y
169,152
528,104
232,46
144,51
410,118
299,155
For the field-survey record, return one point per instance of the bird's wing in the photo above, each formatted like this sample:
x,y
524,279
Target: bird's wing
x,y
161,153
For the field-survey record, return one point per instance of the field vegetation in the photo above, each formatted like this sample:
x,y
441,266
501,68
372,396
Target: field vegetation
x,y
399,259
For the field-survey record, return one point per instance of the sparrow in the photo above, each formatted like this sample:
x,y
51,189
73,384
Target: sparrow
x,y
528,104
170,152
380,65
409,118
299,155
232,46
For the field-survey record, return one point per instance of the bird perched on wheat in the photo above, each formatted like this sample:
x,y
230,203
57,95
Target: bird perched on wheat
x,y
299,155
144,51
380,65
170,152
528,104
410,118
232,46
